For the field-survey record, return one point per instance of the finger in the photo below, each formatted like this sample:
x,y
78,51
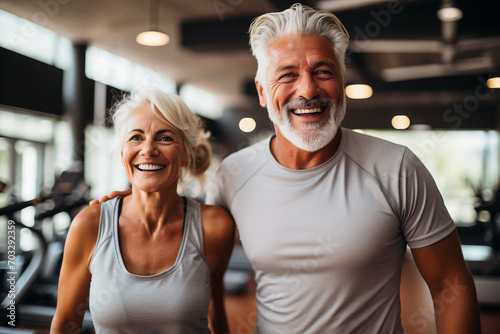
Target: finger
x,y
94,201
121,193
104,198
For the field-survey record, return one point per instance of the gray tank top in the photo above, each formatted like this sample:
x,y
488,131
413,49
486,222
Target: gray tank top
x,y
173,301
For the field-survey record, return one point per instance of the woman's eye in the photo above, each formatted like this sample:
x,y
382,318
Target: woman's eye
x,y
135,137
167,138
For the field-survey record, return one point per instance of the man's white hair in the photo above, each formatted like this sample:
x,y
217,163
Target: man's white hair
x,y
297,20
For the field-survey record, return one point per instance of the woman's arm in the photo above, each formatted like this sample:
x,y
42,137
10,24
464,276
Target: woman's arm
x,y
74,279
218,230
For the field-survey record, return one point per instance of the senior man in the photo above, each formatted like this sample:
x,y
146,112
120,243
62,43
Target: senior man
x,y
325,214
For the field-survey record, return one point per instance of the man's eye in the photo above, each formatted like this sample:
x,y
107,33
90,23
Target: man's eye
x,y
324,72
285,76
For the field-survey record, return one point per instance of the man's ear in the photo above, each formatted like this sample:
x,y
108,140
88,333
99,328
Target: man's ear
x,y
262,96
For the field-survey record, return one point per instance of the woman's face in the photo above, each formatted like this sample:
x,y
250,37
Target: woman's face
x,y
153,152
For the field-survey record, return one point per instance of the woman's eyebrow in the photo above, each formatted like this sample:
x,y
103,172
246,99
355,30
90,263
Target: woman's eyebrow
x,y
157,132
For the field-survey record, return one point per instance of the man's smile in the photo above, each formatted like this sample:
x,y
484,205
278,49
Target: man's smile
x,y
308,111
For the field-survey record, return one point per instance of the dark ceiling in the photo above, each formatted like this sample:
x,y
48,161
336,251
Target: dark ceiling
x,y
416,64
433,72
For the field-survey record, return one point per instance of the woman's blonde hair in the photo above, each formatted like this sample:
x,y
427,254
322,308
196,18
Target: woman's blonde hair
x,y
170,109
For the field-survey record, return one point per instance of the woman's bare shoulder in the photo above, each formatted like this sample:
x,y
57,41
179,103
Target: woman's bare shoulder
x,y
217,221
86,222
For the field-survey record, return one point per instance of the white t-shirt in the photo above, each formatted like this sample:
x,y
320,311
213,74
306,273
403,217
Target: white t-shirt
x,y
327,243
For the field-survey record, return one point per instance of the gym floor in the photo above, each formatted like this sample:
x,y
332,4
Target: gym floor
x,y
241,311
241,308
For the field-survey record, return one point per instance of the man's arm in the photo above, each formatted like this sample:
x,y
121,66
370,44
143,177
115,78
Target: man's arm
x,y
111,195
451,285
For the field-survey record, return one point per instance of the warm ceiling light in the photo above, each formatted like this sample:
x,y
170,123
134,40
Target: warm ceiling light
x,y
493,82
400,122
153,36
358,91
247,124
448,12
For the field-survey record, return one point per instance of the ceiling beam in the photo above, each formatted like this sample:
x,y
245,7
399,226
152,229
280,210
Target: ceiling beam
x,y
216,35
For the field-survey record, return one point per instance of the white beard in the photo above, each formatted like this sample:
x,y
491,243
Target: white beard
x,y
310,137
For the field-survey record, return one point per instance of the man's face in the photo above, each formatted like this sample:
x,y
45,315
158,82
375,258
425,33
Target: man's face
x,y
304,93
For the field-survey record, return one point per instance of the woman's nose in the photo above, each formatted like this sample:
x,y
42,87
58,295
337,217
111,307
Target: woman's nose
x,y
150,149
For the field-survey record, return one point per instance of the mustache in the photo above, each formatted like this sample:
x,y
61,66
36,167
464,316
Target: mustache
x,y
303,102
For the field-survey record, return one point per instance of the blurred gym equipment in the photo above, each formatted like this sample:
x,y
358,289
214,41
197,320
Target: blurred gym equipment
x,y
481,249
35,273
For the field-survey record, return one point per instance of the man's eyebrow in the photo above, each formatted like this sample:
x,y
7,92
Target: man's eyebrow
x,y
286,68
327,63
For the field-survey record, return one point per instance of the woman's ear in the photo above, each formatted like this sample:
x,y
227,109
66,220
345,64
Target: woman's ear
x,y
121,158
186,161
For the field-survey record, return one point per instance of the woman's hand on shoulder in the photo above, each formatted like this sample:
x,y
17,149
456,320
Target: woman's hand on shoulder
x,y
111,195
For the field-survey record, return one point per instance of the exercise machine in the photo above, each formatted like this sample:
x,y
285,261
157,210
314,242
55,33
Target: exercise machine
x,y
481,249
29,278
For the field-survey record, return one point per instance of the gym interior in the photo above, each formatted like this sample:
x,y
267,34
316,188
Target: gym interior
x,y
414,76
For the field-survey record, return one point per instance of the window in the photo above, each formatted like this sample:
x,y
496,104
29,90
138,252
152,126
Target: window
x,y
33,40
464,164
121,73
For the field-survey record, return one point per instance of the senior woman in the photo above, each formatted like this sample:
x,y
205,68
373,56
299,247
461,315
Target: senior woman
x,y
152,262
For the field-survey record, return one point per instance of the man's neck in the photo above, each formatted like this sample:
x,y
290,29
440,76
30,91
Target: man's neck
x,y
290,156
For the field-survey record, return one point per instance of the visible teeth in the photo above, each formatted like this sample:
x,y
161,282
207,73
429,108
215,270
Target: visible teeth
x,y
307,111
150,167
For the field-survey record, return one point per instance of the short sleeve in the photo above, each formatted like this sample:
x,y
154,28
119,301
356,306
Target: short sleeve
x,y
215,190
424,217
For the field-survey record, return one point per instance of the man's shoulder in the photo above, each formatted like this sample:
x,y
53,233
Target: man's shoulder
x,y
248,158
235,170
376,155
372,141
361,144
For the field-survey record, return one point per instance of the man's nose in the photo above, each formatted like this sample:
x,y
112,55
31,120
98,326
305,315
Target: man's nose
x,y
307,87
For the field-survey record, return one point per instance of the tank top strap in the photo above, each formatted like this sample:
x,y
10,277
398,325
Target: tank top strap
x,y
109,211
193,219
